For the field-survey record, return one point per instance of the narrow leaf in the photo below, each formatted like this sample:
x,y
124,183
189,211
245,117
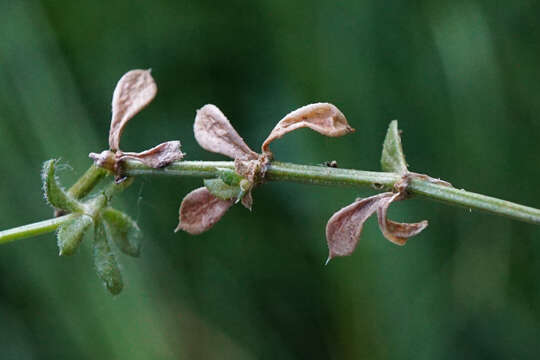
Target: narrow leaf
x,y
220,189
398,233
105,262
214,133
54,194
393,159
134,91
345,226
158,156
70,235
324,118
200,210
123,230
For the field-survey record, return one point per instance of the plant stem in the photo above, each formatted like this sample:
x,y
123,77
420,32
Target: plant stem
x,y
34,229
321,175
87,182
279,171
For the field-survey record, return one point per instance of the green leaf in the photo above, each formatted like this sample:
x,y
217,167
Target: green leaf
x,y
393,159
229,177
54,194
70,235
105,262
221,190
123,230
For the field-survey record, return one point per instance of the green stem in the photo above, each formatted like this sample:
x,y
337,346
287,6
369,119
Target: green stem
x,y
87,182
81,188
322,175
34,229
279,171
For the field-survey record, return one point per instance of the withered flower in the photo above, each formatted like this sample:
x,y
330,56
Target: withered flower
x,y
203,207
345,226
134,91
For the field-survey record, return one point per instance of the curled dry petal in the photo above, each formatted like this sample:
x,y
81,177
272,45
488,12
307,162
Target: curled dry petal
x,y
158,156
398,233
134,91
215,133
324,118
200,210
345,226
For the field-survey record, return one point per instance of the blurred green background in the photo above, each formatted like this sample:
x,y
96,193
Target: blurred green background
x,y
462,77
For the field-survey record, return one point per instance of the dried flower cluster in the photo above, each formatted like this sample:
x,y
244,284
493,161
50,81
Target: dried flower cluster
x,y
133,92
345,226
203,207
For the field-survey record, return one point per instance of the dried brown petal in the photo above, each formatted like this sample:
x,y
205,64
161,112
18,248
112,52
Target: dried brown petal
x,y
158,156
215,133
345,226
398,233
134,91
324,118
200,210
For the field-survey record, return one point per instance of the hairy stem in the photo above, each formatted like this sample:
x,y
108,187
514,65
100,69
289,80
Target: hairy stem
x,y
82,187
279,171
321,175
87,182
34,229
